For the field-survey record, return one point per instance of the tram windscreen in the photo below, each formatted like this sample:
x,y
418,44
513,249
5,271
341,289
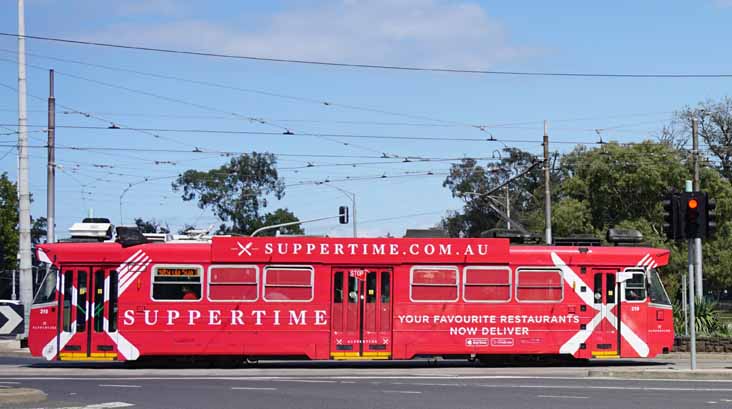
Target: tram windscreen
x,y
47,290
655,289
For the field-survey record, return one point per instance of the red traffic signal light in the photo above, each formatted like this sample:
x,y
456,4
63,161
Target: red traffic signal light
x,y
692,203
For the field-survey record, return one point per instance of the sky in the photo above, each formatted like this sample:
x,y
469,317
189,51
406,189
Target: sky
x,y
183,95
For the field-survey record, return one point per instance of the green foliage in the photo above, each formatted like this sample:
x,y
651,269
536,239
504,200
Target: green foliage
x,y
715,129
706,316
571,216
151,226
39,230
8,223
470,181
237,192
620,183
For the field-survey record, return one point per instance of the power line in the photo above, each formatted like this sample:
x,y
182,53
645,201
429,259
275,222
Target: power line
x,y
368,66
287,133
320,102
193,104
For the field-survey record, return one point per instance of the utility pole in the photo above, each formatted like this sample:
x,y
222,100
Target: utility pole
x,y
351,196
692,317
547,189
51,171
24,253
697,188
508,210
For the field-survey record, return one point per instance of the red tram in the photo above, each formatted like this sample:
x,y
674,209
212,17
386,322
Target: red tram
x,y
344,298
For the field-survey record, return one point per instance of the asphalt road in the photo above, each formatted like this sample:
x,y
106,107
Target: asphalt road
x,y
418,385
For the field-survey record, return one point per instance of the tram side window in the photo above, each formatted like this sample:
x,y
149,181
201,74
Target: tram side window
x,y
47,291
635,288
233,283
655,289
492,284
539,285
288,284
433,284
176,283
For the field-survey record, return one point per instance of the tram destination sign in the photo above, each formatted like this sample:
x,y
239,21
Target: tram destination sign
x,y
349,250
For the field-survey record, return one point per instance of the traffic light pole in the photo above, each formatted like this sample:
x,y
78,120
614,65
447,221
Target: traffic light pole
x,y
697,188
692,316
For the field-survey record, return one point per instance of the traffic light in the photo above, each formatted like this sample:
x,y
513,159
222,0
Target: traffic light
x,y
692,203
343,215
700,217
671,222
711,217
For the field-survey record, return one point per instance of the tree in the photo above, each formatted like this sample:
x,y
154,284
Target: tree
x,y
471,181
39,230
279,216
237,192
715,128
8,223
151,226
617,183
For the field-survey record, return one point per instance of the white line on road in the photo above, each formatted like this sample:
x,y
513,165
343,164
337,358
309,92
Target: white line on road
x,y
107,405
305,380
247,388
634,388
562,397
10,383
119,386
412,392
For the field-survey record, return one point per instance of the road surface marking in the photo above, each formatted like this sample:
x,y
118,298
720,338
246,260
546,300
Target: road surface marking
x,y
307,380
119,386
412,392
361,377
10,383
107,405
562,396
634,388
248,388
348,381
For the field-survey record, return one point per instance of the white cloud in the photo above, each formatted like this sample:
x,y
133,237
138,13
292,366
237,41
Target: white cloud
x,y
407,32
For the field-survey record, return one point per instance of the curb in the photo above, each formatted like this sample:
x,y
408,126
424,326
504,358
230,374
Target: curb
x,y
21,395
718,375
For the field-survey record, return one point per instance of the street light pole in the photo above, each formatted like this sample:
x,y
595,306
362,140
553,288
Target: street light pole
x,y
352,197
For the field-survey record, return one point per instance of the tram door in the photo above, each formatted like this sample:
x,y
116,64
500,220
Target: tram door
x,y
361,313
87,313
606,301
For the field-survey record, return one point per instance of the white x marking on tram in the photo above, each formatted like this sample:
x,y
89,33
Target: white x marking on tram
x,y
244,249
573,344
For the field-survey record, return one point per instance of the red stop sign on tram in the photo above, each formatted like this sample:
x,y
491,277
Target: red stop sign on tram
x,y
359,273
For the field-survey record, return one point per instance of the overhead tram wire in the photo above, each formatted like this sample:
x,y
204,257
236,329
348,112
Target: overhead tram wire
x,y
324,103
367,66
509,125
339,135
111,124
250,119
